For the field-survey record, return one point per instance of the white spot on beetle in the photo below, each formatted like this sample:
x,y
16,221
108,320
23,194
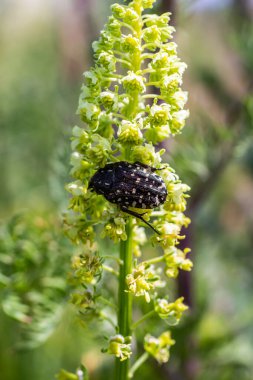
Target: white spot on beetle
x,y
143,205
134,203
133,191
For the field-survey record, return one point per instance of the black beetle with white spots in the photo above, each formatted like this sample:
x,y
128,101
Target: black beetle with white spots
x,y
130,185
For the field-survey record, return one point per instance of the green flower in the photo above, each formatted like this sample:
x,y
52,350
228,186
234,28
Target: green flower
x,y
175,259
147,155
152,34
148,3
120,347
133,83
171,312
130,44
83,300
86,268
129,133
115,230
143,280
80,138
159,347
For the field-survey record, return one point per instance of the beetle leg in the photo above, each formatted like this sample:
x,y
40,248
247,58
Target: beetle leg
x,y
139,216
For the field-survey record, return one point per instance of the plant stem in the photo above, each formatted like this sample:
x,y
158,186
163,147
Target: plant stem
x,y
125,298
126,249
142,319
138,363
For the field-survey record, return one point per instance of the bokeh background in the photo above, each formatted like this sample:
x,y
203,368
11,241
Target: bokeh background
x,y
45,46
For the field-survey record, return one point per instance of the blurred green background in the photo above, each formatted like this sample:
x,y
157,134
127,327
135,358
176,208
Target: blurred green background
x,y
44,48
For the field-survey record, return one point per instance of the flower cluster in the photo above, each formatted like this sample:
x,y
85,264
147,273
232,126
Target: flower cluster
x,y
123,118
86,268
159,347
142,280
171,312
120,347
130,101
175,259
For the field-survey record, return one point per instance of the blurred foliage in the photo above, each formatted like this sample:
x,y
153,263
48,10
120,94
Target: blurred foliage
x,y
34,261
214,155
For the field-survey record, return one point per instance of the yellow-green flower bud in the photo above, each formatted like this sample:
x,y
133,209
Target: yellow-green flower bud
x,y
178,120
107,60
115,230
160,114
152,34
179,99
130,44
148,3
80,139
142,280
91,77
114,27
133,83
88,111
107,99
171,312
118,10
175,259
161,60
76,188
131,16
120,347
159,347
147,154
129,133
157,134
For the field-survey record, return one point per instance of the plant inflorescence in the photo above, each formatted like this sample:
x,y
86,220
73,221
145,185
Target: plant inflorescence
x,y
131,101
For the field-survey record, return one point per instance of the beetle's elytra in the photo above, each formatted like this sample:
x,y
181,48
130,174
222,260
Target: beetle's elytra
x,y
130,185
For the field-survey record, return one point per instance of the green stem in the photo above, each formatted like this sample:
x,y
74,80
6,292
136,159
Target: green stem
x,y
106,318
155,260
137,364
110,270
142,319
106,302
125,298
126,247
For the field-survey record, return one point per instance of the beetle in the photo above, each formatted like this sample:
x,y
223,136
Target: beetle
x,y
130,185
